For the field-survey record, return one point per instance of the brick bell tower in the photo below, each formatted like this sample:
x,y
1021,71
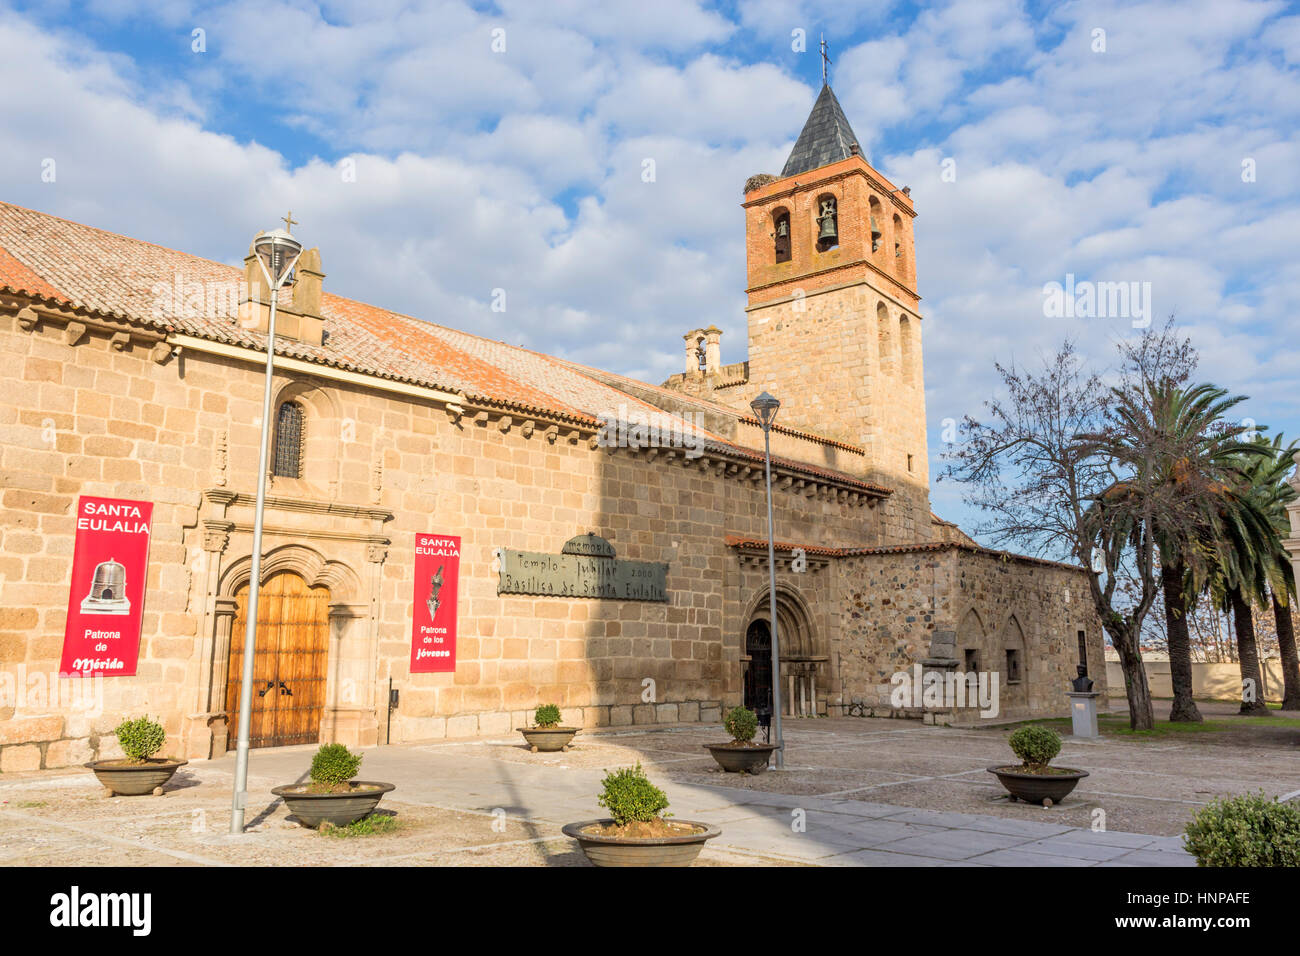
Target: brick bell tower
x,y
834,330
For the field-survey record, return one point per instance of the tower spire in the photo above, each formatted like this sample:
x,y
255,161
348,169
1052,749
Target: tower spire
x,y
826,137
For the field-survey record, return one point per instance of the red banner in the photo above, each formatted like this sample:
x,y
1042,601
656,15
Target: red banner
x,y
433,620
106,596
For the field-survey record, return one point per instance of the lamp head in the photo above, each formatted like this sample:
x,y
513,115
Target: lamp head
x,y
765,408
278,253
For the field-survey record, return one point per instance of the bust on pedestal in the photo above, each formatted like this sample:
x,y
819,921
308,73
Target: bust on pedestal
x,y
1083,706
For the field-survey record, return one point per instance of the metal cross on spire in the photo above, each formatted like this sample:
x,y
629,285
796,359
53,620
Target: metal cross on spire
x,y
826,60
289,222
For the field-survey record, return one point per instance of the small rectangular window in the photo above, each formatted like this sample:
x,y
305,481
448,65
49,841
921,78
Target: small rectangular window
x,y
1013,667
972,660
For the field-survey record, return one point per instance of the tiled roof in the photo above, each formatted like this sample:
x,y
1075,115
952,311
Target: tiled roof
x,y
755,544
826,137
46,257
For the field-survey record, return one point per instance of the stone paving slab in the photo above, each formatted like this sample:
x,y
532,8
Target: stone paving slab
x,y
955,844
490,801
1019,857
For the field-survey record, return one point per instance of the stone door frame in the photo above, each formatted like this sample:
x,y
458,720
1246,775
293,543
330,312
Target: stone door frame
x,y
351,707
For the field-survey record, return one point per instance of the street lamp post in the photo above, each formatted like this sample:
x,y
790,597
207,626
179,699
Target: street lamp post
x,y
765,408
277,253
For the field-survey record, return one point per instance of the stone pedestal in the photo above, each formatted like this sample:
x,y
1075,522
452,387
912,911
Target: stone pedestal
x,y
1083,714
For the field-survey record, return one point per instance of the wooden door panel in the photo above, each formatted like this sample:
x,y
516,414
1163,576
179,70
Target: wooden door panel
x,y
289,661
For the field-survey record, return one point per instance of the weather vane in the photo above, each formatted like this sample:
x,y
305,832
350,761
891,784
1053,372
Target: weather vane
x,y
826,60
290,222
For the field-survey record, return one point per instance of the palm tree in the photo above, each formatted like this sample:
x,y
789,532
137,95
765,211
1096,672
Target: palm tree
x,y
1205,452
1179,439
1268,476
1252,561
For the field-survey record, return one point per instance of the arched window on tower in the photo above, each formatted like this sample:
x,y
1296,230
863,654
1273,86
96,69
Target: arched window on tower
x,y
877,219
828,225
898,243
885,336
289,434
905,347
781,234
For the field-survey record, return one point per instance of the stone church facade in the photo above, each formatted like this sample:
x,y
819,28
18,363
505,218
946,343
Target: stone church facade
x,y
136,372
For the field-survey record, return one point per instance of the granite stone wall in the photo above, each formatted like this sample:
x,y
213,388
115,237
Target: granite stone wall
x,y
117,417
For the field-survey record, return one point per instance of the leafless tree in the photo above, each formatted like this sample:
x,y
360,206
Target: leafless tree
x,y
1044,468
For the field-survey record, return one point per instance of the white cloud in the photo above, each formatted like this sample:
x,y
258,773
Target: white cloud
x,y
523,169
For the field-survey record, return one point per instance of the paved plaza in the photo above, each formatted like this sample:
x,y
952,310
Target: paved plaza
x,y
856,792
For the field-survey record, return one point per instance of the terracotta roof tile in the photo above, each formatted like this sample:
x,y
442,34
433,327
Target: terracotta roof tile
x,y
756,544
109,274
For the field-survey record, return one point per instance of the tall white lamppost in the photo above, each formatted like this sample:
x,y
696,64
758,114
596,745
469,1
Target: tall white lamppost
x,y
765,408
277,253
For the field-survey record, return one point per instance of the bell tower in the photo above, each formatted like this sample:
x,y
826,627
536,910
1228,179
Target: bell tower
x,y
834,326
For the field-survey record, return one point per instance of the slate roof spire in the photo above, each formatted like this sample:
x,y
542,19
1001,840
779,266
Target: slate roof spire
x,y
827,137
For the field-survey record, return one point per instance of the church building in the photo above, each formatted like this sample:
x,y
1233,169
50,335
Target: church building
x,y
457,530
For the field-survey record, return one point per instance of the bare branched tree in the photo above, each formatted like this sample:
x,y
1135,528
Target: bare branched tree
x,y
1045,467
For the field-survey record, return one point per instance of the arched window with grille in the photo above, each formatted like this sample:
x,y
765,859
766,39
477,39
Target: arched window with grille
x,y
288,441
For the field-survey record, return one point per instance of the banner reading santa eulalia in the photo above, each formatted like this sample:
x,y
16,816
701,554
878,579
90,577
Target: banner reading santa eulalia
x,y
106,596
433,620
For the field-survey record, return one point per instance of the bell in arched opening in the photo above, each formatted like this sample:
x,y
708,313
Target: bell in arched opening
x,y
828,233
107,590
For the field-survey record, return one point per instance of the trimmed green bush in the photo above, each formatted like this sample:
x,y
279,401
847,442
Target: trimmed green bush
x,y
629,796
1035,745
334,765
1248,830
742,724
140,738
547,715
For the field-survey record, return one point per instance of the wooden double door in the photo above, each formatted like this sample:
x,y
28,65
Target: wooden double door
x,y
289,662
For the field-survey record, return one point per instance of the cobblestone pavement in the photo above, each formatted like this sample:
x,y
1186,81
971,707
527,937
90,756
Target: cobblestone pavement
x,y
855,792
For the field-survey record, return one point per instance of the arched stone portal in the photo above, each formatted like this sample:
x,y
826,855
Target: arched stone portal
x,y
804,660
348,665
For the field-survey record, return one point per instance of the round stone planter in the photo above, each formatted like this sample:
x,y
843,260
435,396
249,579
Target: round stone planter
x,y
548,739
741,758
340,809
605,850
135,779
1047,789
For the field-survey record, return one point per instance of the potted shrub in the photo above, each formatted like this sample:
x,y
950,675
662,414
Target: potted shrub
x,y
1249,830
741,755
333,796
636,833
139,770
1034,781
546,734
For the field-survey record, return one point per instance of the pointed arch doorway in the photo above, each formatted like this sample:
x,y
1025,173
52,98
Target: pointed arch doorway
x,y
290,654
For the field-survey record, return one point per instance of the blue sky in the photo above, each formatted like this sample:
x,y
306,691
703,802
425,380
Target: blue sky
x,y
521,169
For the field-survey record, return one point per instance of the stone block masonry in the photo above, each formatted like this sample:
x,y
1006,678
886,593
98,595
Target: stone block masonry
x,y
378,466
